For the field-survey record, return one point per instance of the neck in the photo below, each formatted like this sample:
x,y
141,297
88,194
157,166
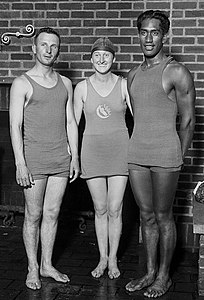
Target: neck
x,y
43,71
103,78
151,62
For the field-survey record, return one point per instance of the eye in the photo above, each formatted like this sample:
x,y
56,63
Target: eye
x,y
155,33
54,47
143,33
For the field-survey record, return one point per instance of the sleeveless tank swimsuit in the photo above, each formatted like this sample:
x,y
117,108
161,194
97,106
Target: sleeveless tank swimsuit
x,y
45,138
154,141
105,139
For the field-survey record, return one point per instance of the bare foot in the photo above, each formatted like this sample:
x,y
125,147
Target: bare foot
x,y
158,288
99,270
139,284
113,269
33,281
53,273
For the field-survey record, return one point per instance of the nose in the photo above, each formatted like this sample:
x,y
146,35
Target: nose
x,y
149,37
48,49
101,59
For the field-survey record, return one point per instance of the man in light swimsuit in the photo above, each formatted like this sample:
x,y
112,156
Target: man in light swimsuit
x,y
159,88
44,137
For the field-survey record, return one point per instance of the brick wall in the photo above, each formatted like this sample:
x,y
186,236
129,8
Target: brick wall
x,y
80,23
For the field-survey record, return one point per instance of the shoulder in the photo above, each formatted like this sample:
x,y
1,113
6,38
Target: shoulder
x,y
67,82
177,71
81,87
21,83
131,73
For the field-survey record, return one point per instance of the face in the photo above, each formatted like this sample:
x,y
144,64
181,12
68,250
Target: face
x,y
102,61
151,38
46,48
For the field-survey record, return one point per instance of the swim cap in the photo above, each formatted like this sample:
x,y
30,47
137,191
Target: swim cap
x,y
103,44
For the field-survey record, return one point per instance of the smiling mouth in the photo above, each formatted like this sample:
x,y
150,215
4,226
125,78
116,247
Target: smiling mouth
x,y
149,47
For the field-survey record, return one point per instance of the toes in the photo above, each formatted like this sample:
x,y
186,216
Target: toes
x,y
33,285
114,274
97,273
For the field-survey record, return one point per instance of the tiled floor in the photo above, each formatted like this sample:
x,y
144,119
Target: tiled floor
x,y
76,254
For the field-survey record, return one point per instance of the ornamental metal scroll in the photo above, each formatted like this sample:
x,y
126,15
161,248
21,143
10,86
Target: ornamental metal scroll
x,y
5,38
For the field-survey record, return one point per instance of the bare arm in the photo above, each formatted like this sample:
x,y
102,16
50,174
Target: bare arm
x,y
18,94
79,97
126,94
72,132
185,95
130,78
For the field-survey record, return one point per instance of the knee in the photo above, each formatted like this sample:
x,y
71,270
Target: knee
x,y
148,217
33,216
163,217
100,211
51,213
114,212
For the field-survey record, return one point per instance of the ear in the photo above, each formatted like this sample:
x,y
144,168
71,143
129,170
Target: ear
x,y
114,59
34,48
165,38
91,60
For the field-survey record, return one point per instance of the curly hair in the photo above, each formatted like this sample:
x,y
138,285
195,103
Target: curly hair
x,y
155,14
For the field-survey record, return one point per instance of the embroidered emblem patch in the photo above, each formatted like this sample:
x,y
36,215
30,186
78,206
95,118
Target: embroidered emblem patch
x,y
103,111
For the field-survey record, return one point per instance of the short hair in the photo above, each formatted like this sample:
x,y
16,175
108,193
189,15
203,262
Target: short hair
x,y
155,14
48,30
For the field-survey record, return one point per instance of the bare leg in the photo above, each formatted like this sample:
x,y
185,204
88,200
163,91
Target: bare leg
x,y
164,191
116,189
33,211
98,190
141,184
52,201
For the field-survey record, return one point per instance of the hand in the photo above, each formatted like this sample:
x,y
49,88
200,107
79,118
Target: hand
x,y
23,176
74,169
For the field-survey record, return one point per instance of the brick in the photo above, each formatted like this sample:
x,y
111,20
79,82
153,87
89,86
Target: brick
x,y
194,13
82,14
107,14
129,14
178,14
106,31
94,23
45,6
183,40
58,14
81,31
119,23
184,23
70,6
95,6
184,5
22,6
21,56
162,5
70,23
33,14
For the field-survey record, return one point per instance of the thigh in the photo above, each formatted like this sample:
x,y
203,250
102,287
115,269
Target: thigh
x,y
164,188
98,190
34,196
141,184
54,192
116,189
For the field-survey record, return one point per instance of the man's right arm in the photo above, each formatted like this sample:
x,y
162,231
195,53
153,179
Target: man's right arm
x,y
18,94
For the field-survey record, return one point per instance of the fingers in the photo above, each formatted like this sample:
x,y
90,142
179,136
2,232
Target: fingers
x,y
24,179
